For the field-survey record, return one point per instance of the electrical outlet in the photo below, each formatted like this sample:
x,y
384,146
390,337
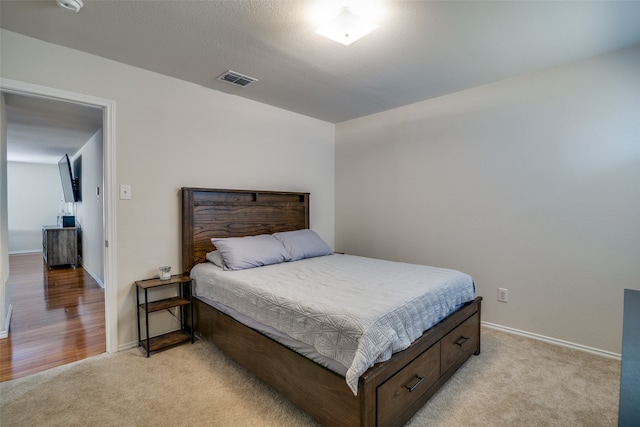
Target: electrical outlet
x,y
503,295
125,192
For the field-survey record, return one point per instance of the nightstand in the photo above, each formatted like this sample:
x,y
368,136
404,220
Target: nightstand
x,y
180,302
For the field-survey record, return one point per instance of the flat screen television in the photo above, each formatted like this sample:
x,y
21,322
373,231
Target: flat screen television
x,y
69,185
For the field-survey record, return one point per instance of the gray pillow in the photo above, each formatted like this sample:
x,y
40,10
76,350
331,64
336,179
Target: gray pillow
x,y
303,244
239,253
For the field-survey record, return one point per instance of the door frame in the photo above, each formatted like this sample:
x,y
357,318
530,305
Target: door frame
x,y
109,178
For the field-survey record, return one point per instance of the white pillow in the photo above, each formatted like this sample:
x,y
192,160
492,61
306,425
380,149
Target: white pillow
x,y
303,244
215,258
239,253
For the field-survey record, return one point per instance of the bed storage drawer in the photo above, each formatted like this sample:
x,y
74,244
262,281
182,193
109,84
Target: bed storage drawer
x,y
408,387
459,344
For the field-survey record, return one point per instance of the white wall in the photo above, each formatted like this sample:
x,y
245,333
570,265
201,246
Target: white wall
x,y
170,134
530,184
90,207
34,195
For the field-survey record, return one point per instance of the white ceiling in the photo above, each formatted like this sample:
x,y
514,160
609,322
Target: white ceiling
x,y
423,49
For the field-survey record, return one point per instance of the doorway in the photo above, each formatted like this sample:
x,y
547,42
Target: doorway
x,y
108,151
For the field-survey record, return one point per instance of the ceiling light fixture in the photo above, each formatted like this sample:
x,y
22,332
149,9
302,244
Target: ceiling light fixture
x,y
72,5
346,27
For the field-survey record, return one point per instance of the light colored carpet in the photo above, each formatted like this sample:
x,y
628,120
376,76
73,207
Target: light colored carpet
x,y
514,382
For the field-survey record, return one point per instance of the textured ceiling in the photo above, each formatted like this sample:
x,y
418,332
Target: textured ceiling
x,y
423,49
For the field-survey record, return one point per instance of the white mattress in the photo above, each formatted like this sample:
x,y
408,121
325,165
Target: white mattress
x,y
354,310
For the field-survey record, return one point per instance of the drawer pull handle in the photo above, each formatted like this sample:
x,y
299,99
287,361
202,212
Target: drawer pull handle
x,y
461,341
413,387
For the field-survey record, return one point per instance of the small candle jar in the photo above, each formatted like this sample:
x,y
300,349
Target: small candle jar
x,y
165,272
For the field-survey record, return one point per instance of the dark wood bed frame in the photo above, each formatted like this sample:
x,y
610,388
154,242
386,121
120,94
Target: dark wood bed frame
x,y
389,393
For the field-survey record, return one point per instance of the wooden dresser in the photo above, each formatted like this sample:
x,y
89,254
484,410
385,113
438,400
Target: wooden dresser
x,y
59,245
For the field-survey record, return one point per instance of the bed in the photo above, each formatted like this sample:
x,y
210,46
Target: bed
x,y
388,393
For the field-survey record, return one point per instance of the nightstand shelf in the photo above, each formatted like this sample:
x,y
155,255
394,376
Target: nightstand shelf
x,y
181,302
167,340
165,303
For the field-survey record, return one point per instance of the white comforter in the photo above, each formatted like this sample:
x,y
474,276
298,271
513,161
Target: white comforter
x,y
355,310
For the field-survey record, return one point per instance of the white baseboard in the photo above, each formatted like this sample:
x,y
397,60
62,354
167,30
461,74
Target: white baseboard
x,y
562,343
92,274
129,346
33,251
5,332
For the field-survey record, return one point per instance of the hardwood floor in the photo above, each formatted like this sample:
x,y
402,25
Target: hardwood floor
x,y
57,318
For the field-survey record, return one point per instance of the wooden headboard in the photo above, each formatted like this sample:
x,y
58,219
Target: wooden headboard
x,y
208,213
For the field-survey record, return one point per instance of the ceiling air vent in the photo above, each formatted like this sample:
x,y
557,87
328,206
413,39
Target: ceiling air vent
x,y
236,78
